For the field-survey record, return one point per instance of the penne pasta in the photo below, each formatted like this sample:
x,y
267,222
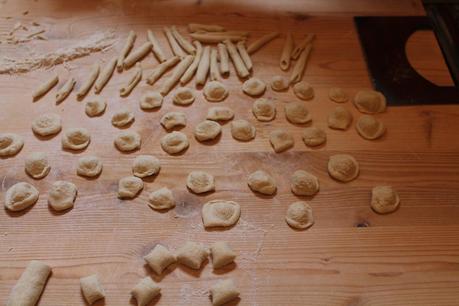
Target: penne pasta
x,y
65,90
45,87
156,48
176,75
244,55
214,73
161,69
215,37
239,66
203,67
286,52
300,65
189,73
86,86
302,45
125,51
173,43
256,45
185,44
137,55
133,81
105,75
224,60
195,27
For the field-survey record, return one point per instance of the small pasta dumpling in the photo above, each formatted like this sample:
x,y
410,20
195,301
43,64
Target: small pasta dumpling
x,y
127,141
339,119
220,213
303,90
337,95
47,124
76,139
174,143
370,101
242,130
89,166
220,113
223,292
279,83
281,140
260,181
92,289
343,167
145,291
221,254
207,130
369,127
296,112
299,215
160,258
200,182
173,119
151,100
384,199
264,109
304,183
254,87
122,118
161,199
214,91
145,165
192,255
20,196
314,136
37,165
183,96
129,187
10,144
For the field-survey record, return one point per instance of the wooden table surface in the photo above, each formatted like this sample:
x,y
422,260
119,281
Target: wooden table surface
x,y
351,256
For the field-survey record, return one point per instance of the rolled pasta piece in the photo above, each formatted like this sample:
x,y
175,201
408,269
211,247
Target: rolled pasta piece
x,y
241,70
195,27
156,48
286,52
189,73
256,45
302,45
214,73
137,55
173,43
185,44
30,285
203,67
300,65
65,90
86,86
224,60
215,37
161,69
105,75
176,74
244,55
45,87
133,81
125,51
145,291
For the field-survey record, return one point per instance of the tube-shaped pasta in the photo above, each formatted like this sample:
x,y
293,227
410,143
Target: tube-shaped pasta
x,y
176,74
189,73
195,27
156,48
45,87
145,291
133,81
137,55
86,86
173,43
105,75
203,67
214,73
215,37
30,285
302,45
125,51
300,65
256,45
239,66
185,44
244,55
286,52
65,90
161,69
236,33
224,60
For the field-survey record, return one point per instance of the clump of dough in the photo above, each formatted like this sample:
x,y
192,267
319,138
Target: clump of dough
x,y
36,165
173,119
384,199
75,139
338,95
343,167
304,183
281,140
242,130
370,101
279,83
129,187
10,144
127,141
89,166
174,142
264,109
95,106
92,289
207,130
254,87
200,182
183,96
369,127
222,254
47,124
340,118
192,255
220,113
220,213
303,90
151,100
299,215
214,91
20,196
145,165
314,136
145,291
160,258
122,118
260,181
223,292
62,195
161,199
296,112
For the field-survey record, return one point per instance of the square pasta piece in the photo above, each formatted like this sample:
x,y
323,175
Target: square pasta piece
x,y
222,254
159,258
192,255
223,292
92,289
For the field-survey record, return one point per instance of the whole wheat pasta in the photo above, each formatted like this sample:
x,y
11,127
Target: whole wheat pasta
x,y
161,69
173,43
156,49
214,73
286,52
125,51
105,75
133,81
215,37
224,60
300,65
239,66
203,67
195,27
86,86
176,74
137,55
185,44
45,87
189,73
244,55
256,45
302,45
65,90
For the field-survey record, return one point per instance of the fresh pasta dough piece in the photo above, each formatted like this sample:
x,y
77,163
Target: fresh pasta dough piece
x,y
299,215
257,44
279,83
198,27
207,130
343,167
214,70
314,136
176,75
340,118
304,183
242,130
224,59
65,90
220,213
159,70
92,289
370,101
45,87
300,65
203,67
303,90
136,55
281,140
221,254
260,181
89,166
30,285
183,96
10,144
62,195
151,100
159,258
105,75
76,139
286,52
20,196
185,44
214,91
145,291
122,118
133,81
264,109
91,78
145,165
220,113
369,127
384,199
215,38
192,255
129,187
161,199
173,119
174,142
238,63
156,47
47,124
296,112
240,46
175,47
125,51
200,182
302,45
189,73
95,106
337,95
223,292
127,141
254,87
37,165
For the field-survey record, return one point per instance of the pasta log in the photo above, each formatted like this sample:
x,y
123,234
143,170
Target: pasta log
x,y
286,52
244,55
173,43
65,90
156,48
176,74
203,67
224,60
214,73
195,27
185,44
241,70
137,55
215,37
105,75
161,69
45,87
256,45
86,86
189,73
300,65
125,51
133,81
302,45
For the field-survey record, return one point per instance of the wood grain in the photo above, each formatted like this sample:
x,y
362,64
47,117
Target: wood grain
x,y
351,256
